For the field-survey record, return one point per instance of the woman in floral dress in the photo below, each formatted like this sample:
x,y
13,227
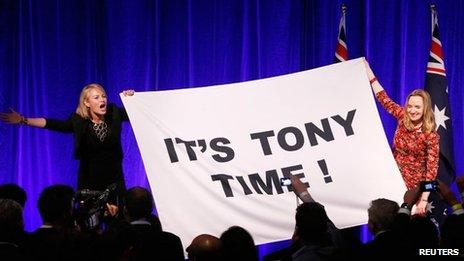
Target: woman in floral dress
x,y
416,142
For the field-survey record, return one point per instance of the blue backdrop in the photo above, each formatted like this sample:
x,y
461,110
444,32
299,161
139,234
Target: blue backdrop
x,y
50,49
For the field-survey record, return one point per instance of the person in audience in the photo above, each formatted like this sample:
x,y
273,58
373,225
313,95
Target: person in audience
x,y
13,238
416,142
14,192
381,215
58,238
142,238
313,229
205,248
315,236
238,244
416,232
301,190
96,126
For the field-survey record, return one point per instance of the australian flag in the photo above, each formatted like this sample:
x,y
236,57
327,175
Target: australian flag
x,y
437,86
341,52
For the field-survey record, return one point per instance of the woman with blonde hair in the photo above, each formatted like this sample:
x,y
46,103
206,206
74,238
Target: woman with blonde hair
x,y
96,126
416,142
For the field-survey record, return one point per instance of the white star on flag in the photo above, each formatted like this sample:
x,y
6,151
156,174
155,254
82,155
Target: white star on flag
x,y
429,207
440,117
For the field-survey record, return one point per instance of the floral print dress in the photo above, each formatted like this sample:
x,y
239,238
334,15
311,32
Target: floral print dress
x,y
415,152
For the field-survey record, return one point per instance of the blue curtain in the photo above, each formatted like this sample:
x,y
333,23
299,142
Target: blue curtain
x,y
50,49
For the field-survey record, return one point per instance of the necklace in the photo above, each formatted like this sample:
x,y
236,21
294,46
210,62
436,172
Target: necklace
x,y
101,130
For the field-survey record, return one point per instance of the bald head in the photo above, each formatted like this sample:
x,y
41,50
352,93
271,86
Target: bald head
x,y
204,247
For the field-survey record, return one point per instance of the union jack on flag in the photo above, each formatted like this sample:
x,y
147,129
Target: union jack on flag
x,y
341,52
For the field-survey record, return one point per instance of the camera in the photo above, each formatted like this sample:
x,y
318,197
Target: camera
x,y
429,185
285,182
91,206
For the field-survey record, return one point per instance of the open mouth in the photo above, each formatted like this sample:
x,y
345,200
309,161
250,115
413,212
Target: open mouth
x,y
103,105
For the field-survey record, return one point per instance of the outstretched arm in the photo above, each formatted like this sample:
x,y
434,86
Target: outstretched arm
x,y
14,117
392,107
300,189
375,84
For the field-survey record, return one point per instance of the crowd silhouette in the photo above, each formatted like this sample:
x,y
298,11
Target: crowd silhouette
x,y
131,232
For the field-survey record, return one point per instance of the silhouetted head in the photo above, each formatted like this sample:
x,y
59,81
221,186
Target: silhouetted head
x,y
138,203
238,244
311,223
11,216
14,192
205,248
381,213
56,204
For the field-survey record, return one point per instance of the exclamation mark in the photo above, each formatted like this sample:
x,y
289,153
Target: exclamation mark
x,y
325,172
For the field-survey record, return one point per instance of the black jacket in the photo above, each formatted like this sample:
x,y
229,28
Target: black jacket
x,y
78,126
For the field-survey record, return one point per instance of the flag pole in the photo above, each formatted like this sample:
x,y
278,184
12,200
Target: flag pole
x,y
433,12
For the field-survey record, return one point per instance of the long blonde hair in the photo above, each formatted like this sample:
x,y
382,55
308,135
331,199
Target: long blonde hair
x,y
82,109
428,118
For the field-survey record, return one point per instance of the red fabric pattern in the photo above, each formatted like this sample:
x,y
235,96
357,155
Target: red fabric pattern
x,y
415,152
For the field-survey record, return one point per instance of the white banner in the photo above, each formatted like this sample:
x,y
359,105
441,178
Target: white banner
x,y
214,155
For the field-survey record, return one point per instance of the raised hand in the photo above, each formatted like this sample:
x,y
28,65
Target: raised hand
x,y
12,117
300,189
298,186
375,84
421,208
128,92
